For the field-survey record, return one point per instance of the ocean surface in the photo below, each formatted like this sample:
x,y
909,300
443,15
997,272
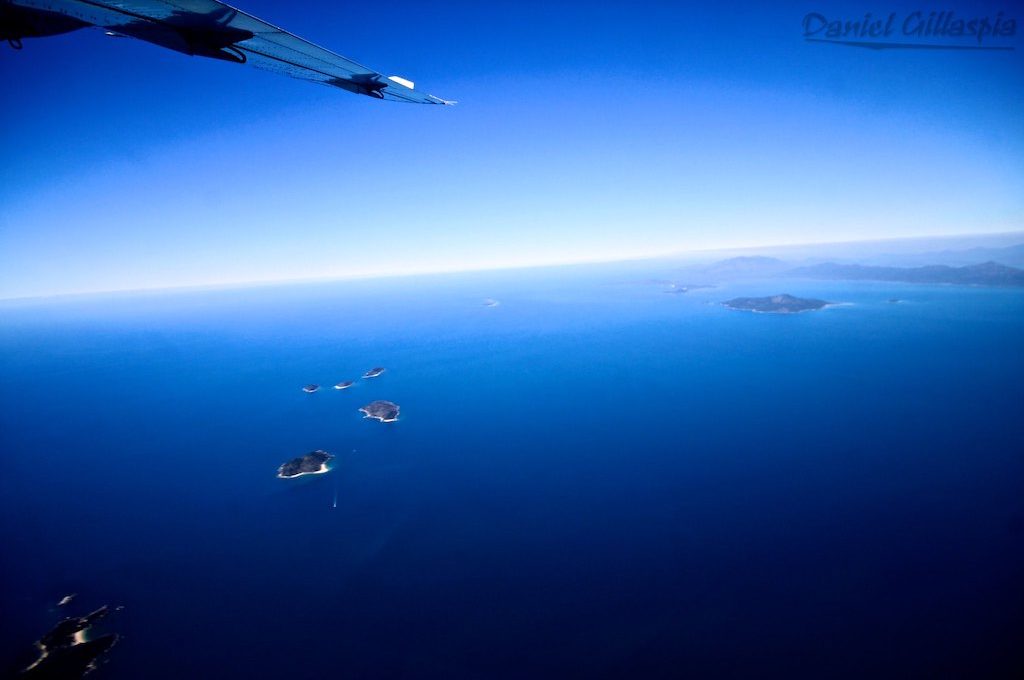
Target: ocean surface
x,y
592,479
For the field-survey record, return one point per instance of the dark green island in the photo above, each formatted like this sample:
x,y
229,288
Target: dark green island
x,y
384,411
313,463
776,304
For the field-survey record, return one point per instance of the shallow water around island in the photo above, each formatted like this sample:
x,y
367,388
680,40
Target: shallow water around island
x,y
591,478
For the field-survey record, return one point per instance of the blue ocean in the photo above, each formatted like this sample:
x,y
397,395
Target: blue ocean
x,y
592,478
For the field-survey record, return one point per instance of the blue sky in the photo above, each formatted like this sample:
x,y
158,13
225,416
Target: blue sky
x,y
582,133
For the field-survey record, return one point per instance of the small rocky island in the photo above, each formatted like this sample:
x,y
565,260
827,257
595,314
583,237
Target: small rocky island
x,y
310,388
65,651
776,304
384,411
313,463
343,385
373,372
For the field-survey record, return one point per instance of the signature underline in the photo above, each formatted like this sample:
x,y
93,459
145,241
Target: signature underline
x,y
878,45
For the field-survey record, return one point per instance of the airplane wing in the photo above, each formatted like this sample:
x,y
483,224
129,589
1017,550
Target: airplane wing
x,y
210,28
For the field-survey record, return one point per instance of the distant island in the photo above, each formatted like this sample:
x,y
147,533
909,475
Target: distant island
x,y
676,288
373,372
384,411
986,274
313,463
311,388
343,385
65,651
776,304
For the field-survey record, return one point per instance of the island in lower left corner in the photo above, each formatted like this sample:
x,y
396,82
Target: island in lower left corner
x,y
313,463
67,652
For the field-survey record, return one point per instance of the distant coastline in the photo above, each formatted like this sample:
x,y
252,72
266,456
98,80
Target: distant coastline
x,y
984,274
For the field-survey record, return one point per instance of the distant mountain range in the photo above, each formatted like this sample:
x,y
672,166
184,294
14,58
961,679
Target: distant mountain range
x,y
1012,256
986,274
1000,266
747,266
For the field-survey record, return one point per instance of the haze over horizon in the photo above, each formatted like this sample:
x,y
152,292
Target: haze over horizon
x,y
908,252
583,134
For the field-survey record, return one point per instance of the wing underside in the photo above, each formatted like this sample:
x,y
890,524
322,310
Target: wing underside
x,y
212,29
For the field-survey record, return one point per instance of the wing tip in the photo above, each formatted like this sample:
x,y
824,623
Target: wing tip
x,y
442,102
427,98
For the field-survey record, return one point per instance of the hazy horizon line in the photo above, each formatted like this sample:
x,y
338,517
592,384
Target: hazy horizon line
x,y
252,283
